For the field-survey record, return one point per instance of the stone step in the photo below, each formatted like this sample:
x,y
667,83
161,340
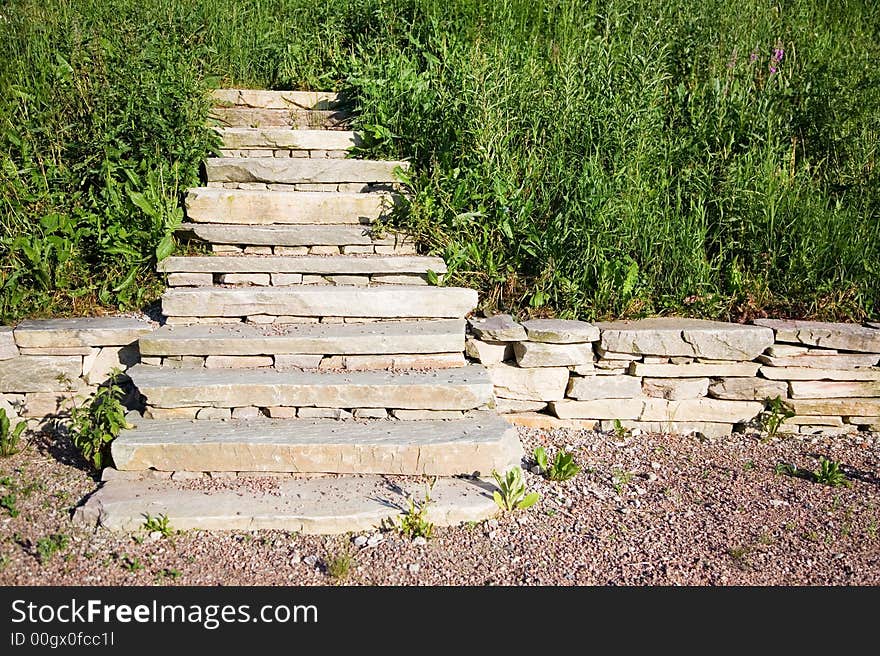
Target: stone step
x,y
305,264
324,505
266,99
277,170
261,207
258,117
286,139
463,388
476,444
287,235
397,337
383,301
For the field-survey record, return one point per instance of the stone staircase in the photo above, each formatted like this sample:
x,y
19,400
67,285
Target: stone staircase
x,y
308,377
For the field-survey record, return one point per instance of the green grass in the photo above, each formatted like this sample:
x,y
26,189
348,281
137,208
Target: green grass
x,y
589,159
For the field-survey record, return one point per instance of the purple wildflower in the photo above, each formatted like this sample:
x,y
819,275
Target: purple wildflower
x,y
778,54
753,57
772,70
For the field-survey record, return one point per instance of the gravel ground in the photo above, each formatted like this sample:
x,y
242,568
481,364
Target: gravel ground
x,y
645,510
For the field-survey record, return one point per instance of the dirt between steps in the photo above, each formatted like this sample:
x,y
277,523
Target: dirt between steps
x,y
644,510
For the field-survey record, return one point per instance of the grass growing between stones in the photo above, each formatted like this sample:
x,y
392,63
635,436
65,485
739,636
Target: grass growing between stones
x,y
588,159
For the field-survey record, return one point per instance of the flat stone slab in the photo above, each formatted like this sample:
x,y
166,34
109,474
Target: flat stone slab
x,y
604,387
270,99
387,337
540,354
432,447
809,373
41,373
278,170
748,389
844,336
257,206
463,388
384,301
844,407
294,117
286,139
661,410
694,370
820,389
560,331
528,384
498,328
675,336
305,264
817,361
8,348
325,505
89,331
285,235
675,389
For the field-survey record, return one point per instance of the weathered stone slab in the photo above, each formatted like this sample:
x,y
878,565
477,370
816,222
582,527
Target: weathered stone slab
x,y
868,407
705,428
604,387
748,389
488,352
844,336
340,264
8,348
284,138
425,415
438,448
540,354
534,384
695,370
832,361
171,413
257,279
283,235
299,171
387,301
784,350
709,410
51,405
298,361
391,337
99,366
64,350
91,331
324,505
810,373
675,389
674,336
238,361
498,328
189,279
504,406
560,331
312,413
614,356
872,423
464,388
256,206
12,412
599,409
829,431
271,99
548,422
41,373
214,413
814,420
259,117
815,389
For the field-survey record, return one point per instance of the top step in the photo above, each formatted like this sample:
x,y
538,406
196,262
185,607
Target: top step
x,y
264,99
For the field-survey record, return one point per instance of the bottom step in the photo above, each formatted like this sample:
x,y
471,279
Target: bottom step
x,y
326,505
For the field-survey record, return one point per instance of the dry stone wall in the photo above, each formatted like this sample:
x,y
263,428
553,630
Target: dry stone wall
x,y
661,374
682,375
47,366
